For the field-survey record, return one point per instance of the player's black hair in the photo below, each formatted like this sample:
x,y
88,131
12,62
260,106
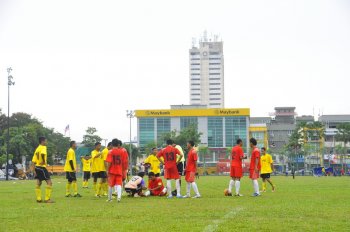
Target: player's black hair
x,y
239,141
253,141
97,143
115,142
150,174
142,174
263,148
120,142
169,142
71,143
41,139
154,148
109,144
191,142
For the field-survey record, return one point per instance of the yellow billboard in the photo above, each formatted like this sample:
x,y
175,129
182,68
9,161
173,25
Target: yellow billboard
x,y
193,113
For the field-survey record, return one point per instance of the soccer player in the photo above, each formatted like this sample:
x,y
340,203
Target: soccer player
x,y
70,168
181,161
86,161
117,167
135,185
98,169
254,167
266,169
155,186
153,162
169,154
105,151
191,169
236,173
39,162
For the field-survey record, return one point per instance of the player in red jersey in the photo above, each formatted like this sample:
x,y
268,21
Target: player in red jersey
x,y
117,166
255,166
170,155
236,173
191,169
155,186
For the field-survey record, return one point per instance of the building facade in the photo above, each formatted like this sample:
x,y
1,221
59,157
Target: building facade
x,y
219,128
206,69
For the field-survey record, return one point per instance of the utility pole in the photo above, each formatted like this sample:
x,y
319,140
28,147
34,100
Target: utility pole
x,y
9,83
130,114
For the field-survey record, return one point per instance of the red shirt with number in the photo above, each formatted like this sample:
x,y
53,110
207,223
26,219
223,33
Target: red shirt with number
x,y
255,155
191,161
118,159
237,155
169,155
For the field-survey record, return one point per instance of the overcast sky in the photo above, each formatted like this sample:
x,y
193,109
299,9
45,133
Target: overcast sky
x,y
84,63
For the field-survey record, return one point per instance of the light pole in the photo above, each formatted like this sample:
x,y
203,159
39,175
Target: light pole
x,y
9,83
130,114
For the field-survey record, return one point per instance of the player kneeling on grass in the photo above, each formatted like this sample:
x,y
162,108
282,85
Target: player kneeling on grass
x,y
191,169
117,166
254,167
155,186
135,186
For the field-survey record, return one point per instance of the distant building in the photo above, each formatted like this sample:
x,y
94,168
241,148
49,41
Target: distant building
x,y
305,119
259,132
206,68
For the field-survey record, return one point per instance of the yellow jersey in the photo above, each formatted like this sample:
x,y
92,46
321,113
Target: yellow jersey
x,y
86,164
40,152
153,160
178,147
105,153
266,161
70,157
98,164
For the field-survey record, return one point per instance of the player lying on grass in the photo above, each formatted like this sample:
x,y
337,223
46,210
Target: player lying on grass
x,y
155,186
135,185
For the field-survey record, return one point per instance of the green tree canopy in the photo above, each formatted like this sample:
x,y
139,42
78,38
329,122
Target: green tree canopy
x,y
90,138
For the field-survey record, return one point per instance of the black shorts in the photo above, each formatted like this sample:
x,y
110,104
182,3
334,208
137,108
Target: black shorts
x,y
42,173
97,175
133,191
265,175
87,175
157,175
180,168
70,176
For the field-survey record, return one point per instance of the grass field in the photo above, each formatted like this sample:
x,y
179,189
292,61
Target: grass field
x,y
303,204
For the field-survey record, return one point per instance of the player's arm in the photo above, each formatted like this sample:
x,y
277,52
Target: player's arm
x,y
43,158
256,164
32,168
160,154
272,168
108,164
179,154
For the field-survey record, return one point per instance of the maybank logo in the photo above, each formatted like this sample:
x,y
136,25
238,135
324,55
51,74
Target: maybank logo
x,y
157,113
227,112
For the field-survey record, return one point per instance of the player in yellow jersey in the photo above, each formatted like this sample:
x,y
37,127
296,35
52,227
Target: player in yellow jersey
x,y
39,162
104,157
266,169
98,169
70,168
86,161
153,163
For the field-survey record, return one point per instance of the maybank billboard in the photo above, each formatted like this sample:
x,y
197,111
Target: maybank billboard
x,y
193,113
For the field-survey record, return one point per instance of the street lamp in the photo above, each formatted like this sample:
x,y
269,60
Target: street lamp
x,y
130,114
9,83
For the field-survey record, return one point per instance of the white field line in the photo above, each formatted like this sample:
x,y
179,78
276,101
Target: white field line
x,y
215,224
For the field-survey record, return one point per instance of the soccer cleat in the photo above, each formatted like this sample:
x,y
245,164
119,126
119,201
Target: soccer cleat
x,y
273,188
109,200
263,191
105,194
118,200
179,196
256,195
229,194
197,196
170,197
238,195
77,195
97,195
114,194
49,201
186,196
39,201
68,195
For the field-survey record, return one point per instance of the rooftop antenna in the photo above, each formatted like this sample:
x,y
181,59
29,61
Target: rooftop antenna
x,y
205,36
194,42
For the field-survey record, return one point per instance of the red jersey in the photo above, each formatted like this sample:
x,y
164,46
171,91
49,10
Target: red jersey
x,y
169,155
191,161
255,155
154,184
118,158
237,155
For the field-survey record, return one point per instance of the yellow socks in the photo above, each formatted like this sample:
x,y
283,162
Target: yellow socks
x,y
105,188
48,192
68,185
264,186
98,189
85,184
75,187
38,193
95,186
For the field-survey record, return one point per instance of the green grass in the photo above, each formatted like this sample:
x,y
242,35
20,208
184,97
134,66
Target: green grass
x,y
303,204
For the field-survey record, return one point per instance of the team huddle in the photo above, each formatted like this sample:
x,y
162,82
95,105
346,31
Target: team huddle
x,y
109,170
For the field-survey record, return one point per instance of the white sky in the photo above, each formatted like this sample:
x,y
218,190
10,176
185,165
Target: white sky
x,y
84,63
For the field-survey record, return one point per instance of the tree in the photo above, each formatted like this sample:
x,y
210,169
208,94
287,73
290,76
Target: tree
x,y
90,138
203,151
343,135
